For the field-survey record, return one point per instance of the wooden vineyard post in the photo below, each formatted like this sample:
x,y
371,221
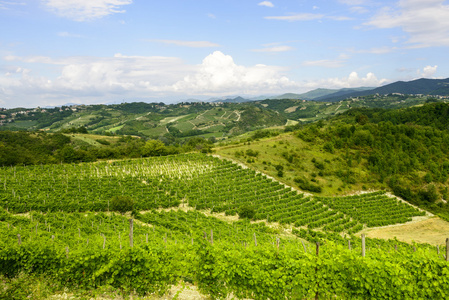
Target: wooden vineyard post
x,y
304,246
316,269
131,227
19,239
67,252
363,245
438,249
447,249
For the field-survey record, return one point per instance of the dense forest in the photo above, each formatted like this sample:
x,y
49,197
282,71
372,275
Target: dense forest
x,y
34,148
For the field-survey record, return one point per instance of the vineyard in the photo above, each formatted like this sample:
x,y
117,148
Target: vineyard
x,y
59,221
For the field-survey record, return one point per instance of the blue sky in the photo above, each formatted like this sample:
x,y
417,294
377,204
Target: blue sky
x,y
54,52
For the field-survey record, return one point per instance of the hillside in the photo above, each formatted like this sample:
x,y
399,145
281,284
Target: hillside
x,y
320,93
311,111
402,151
175,123
421,86
150,120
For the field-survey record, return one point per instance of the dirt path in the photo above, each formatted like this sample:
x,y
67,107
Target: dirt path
x,y
238,114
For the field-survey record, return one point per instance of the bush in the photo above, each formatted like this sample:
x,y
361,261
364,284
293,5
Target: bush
x,y
247,212
251,152
304,185
122,204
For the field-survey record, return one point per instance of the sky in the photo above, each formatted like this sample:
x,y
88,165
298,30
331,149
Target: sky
x,y
54,52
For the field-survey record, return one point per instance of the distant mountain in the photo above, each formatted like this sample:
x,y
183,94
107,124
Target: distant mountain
x,y
312,95
320,93
419,86
237,99
342,92
287,96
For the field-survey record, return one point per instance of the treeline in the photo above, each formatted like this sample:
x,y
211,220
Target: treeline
x,y
408,150
435,115
34,148
26,148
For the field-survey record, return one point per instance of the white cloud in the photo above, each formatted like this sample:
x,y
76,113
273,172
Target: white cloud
x,y
428,71
353,2
274,49
425,21
68,34
219,74
359,9
100,79
89,79
377,50
353,80
85,79
327,63
212,16
6,5
297,17
84,10
307,17
266,3
193,44
339,18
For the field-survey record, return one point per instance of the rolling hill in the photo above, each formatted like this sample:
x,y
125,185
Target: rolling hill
x,y
152,120
421,86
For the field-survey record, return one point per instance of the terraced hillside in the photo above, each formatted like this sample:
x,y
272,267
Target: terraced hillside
x,y
201,181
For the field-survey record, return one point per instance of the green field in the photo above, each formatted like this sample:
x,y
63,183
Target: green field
x,y
60,224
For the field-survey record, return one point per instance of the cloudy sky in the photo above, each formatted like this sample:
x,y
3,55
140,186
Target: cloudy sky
x,y
54,52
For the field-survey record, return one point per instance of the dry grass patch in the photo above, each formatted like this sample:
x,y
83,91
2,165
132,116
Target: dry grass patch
x,y
431,230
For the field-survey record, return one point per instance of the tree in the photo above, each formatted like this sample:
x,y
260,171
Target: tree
x,y
122,204
153,148
247,212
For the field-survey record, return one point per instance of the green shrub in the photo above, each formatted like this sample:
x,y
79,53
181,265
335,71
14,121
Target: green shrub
x,y
122,204
247,212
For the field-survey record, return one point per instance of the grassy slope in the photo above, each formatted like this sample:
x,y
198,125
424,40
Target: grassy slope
x,y
271,152
424,230
433,231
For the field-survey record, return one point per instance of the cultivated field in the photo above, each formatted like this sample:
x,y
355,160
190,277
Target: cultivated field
x,y
59,222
